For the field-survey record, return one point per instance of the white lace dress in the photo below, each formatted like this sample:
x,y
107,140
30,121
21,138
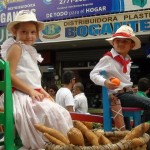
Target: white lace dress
x,y
27,113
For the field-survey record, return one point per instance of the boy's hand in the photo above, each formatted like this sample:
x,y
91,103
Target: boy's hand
x,y
110,85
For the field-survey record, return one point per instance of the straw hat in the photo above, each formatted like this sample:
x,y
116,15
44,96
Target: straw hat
x,y
125,32
24,16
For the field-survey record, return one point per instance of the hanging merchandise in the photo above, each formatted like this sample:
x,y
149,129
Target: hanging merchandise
x,y
140,3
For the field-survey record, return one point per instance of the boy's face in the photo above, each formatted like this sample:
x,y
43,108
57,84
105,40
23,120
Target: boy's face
x,y
123,45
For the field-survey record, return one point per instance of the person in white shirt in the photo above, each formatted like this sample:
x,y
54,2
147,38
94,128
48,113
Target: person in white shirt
x,y
64,95
81,104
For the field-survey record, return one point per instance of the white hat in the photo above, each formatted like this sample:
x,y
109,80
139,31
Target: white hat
x,y
24,16
126,32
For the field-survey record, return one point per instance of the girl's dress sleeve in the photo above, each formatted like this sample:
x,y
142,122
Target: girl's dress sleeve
x,y
5,46
31,50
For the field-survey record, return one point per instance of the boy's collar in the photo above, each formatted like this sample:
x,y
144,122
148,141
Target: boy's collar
x,y
115,53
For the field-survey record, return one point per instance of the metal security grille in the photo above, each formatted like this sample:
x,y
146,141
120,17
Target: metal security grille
x,y
82,55
92,55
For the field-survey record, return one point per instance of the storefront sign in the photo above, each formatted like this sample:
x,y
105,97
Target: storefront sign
x,y
95,27
66,9
90,27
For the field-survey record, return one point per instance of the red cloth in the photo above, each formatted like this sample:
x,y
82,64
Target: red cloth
x,y
119,59
14,89
122,34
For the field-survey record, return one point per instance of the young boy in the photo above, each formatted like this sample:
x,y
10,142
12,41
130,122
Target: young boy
x,y
117,64
143,87
143,91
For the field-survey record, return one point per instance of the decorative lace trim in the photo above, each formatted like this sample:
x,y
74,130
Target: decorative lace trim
x,y
30,49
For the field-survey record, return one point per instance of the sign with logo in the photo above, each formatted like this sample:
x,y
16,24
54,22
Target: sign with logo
x,y
90,27
95,27
47,10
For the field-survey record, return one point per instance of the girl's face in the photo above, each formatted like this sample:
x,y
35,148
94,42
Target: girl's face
x,y
123,45
27,33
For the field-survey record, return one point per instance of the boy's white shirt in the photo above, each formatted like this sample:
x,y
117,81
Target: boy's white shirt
x,y
113,69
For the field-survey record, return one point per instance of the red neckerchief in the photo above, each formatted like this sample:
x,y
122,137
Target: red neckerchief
x,y
119,59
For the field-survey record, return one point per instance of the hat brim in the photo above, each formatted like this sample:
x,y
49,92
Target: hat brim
x,y
134,38
11,25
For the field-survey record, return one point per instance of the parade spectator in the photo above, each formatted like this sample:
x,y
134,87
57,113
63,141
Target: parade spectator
x,y
143,90
52,90
135,88
81,104
64,96
143,87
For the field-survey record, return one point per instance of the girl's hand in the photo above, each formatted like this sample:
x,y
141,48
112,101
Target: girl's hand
x,y
110,85
35,95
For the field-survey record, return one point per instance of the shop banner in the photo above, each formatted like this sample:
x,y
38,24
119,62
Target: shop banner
x,y
95,27
90,27
47,10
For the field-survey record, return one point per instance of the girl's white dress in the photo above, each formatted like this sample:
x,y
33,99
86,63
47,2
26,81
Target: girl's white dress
x,y
26,112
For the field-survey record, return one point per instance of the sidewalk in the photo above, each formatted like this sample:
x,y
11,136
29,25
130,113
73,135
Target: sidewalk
x,y
96,111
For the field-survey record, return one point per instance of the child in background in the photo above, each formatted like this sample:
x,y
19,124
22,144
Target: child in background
x,y
117,64
143,90
52,90
32,104
64,96
143,87
135,88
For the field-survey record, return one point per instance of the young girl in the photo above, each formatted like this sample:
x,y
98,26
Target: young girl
x,y
32,104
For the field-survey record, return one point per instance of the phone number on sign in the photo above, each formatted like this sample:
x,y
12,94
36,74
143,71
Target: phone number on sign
x,y
70,1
